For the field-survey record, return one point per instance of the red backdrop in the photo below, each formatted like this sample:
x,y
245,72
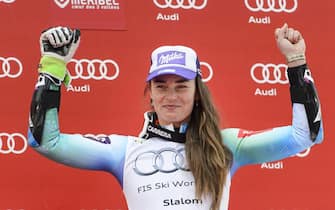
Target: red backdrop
x,y
234,41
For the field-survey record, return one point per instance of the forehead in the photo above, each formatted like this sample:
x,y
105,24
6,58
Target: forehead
x,y
169,78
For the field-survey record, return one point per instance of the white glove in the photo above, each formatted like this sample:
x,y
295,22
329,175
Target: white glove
x,y
60,42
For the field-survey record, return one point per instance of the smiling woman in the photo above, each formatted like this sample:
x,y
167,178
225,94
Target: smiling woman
x,y
181,159
172,83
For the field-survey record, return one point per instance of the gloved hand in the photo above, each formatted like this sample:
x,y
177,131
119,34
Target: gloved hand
x,y
58,45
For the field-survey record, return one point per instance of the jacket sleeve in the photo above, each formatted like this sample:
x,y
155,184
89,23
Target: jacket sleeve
x,y
75,150
252,147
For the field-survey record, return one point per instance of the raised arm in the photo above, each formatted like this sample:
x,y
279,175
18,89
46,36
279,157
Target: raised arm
x,y
251,147
292,45
58,45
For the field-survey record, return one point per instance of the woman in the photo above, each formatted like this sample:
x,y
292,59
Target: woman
x,y
181,160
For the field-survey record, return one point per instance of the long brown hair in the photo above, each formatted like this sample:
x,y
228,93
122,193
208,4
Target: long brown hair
x,y
209,159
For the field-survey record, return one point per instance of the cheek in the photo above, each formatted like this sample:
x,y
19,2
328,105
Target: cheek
x,y
189,100
190,103
155,99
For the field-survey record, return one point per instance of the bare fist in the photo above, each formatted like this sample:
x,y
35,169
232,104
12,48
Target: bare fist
x,y
289,41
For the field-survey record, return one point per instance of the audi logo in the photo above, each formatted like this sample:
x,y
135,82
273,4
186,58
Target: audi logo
x,y
10,67
272,6
184,4
7,1
94,69
13,143
269,73
204,65
167,160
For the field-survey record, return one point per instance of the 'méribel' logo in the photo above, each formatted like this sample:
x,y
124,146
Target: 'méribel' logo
x,y
62,3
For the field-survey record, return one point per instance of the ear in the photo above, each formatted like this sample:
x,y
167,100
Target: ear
x,y
150,92
148,89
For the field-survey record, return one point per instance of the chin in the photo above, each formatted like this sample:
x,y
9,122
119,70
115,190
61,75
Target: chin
x,y
171,119
176,121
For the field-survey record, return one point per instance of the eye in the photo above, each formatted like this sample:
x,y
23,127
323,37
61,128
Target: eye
x,y
160,86
182,86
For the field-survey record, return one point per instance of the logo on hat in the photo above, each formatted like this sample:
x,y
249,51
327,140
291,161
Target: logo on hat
x,y
171,57
179,60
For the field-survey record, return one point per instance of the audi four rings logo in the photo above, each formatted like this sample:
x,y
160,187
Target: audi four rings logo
x,y
288,6
184,4
12,143
269,73
7,1
95,69
167,160
10,67
204,65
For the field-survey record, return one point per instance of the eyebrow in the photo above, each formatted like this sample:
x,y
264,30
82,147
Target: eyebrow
x,y
163,81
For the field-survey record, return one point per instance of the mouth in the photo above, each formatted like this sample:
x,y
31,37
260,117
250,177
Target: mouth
x,y
170,107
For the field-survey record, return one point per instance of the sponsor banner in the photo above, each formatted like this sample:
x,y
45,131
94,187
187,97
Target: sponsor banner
x,y
12,143
262,10
89,14
206,71
95,69
7,1
10,67
277,6
176,6
271,74
86,70
181,4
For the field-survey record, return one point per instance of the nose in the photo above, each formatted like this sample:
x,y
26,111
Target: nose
x,y
171,94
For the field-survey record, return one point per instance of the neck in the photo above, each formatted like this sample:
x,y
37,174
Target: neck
x,y
152,128
174,125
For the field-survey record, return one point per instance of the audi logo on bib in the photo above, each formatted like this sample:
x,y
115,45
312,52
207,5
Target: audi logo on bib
x,y
10,67
166,160
181,4
287,6
15,143
7,1
95,69
269,73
